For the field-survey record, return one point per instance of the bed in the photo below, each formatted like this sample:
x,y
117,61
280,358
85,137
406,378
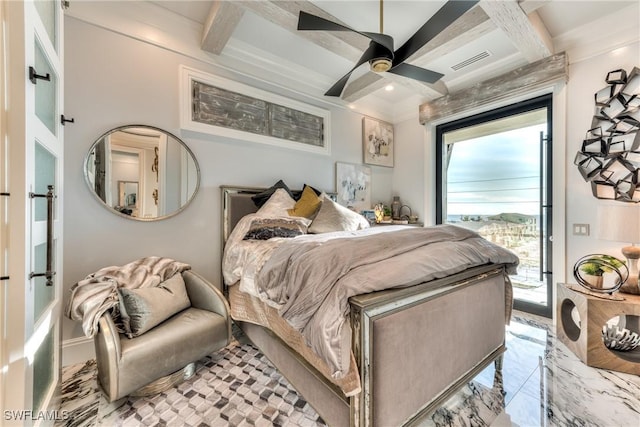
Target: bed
x,y
411,347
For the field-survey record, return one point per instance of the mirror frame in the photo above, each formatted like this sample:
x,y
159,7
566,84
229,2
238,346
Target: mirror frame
x,y
91,188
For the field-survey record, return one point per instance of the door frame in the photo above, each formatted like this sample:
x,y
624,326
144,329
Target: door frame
x,y
534,103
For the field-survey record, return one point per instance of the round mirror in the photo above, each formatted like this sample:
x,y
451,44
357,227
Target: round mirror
x,y
142,172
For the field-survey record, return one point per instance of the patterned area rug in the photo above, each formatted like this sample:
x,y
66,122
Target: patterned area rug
x,y
236,386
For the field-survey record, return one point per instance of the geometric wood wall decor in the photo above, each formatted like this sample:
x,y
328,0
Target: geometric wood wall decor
x,y
609,158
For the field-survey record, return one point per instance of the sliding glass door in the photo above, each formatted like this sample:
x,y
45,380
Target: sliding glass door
x,y
494,176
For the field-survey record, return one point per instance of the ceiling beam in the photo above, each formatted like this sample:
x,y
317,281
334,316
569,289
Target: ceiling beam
x,y
285,14
527,79
471,25
223,18
508,16
363,86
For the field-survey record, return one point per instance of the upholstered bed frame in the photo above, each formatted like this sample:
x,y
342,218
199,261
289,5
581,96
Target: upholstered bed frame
x,y
414,346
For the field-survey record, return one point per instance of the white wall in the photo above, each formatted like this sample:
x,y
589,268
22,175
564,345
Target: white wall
x,y
112,80
408,173
585,79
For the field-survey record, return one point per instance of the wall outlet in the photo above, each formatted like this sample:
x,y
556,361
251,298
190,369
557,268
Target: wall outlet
x,y
580,229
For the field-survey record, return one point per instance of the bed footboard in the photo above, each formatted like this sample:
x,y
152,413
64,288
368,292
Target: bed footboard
x,y
417,346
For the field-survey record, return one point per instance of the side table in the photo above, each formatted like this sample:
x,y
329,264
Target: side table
x,y
583,336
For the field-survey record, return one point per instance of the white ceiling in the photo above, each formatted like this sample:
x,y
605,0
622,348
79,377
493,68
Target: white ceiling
x,y
401,19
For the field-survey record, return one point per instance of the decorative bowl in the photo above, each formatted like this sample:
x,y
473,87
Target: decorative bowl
x,y
619,339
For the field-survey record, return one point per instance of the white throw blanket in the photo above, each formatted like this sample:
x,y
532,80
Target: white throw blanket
x,y
98,292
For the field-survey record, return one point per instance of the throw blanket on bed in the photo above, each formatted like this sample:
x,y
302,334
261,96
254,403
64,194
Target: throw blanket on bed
x,y
98,292
310,282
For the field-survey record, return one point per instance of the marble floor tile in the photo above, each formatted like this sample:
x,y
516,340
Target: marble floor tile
x,y
542,384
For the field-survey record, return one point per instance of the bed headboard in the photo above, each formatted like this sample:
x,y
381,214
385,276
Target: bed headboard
x,y
236,203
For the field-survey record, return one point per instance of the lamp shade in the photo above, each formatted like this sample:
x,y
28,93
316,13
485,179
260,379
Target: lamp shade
x,y
619,223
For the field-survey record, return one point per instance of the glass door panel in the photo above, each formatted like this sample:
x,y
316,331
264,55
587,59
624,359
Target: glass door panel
x,y
47,12
494,179
45,175
46,99
43,295
43,370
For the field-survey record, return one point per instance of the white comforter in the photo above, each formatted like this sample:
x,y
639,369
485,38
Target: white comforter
x,y
313,296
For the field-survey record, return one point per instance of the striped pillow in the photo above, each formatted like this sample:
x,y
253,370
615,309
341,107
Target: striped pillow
x,y
268,228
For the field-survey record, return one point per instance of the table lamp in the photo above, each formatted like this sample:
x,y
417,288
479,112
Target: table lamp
x,y
621,223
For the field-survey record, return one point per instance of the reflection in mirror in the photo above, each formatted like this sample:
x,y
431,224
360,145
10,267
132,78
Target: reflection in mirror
x,y
142,172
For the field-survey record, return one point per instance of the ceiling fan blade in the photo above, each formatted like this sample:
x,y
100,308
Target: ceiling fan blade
x,y
309,22
444,17
369,54
382,39
416,73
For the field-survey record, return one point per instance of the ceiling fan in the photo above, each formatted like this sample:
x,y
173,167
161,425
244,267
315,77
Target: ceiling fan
x,y
380,53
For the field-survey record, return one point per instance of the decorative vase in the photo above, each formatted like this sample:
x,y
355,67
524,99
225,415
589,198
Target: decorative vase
x,y
395,207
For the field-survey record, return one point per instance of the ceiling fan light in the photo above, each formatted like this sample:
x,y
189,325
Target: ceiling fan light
x,y
380,65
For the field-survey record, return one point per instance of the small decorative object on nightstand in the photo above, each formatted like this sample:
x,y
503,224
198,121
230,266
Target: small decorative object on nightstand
x,y
395,207
621,223
600,273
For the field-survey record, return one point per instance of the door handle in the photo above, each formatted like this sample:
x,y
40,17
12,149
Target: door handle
x,y
48,274
34,76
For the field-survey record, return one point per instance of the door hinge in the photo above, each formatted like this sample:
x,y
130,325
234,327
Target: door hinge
x,y
5,194
4,278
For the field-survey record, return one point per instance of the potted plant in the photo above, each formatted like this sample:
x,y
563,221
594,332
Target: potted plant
x,y
596,266
387,213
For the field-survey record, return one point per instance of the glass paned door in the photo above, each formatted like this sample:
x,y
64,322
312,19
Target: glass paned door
x,y
495,179
33,79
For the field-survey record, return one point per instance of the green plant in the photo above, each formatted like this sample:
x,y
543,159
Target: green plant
x,y
600,264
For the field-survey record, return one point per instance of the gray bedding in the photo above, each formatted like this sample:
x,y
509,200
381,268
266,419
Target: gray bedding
x,y
311,281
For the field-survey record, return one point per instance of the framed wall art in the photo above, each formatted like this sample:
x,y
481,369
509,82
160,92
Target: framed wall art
x,y
353,185
377,142
214,105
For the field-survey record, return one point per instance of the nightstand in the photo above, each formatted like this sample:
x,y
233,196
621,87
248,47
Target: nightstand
x,y
580,318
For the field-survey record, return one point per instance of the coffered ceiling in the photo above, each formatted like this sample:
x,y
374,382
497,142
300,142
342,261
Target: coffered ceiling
x,y
491,38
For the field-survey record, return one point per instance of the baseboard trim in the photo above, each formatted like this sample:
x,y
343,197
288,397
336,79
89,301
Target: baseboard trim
x,y
77,350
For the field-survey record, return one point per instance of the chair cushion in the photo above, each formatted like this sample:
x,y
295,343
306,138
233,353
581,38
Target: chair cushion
x,y
184,338
143,308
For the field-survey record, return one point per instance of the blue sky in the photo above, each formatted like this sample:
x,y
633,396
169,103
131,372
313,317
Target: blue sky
x,y
496,173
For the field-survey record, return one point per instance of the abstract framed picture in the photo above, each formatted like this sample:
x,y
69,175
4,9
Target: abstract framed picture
x,y
377,142
353,186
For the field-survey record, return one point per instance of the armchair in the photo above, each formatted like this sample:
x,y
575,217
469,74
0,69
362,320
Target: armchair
x,y
165,354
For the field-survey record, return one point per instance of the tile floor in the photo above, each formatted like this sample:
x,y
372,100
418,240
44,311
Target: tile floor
x,y
543,384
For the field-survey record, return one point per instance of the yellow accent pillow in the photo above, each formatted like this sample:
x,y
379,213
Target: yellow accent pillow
x,y
308,204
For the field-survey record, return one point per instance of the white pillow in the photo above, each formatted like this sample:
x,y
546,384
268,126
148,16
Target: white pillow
x,y
278,204
334,217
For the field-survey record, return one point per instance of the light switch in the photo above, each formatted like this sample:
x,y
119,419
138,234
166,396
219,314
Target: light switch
x,y
580,229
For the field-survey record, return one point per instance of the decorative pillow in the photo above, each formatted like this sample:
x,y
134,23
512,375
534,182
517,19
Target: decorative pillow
x,y
298,193
335,217
261,198
308,204
277,205
268,228
143,308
